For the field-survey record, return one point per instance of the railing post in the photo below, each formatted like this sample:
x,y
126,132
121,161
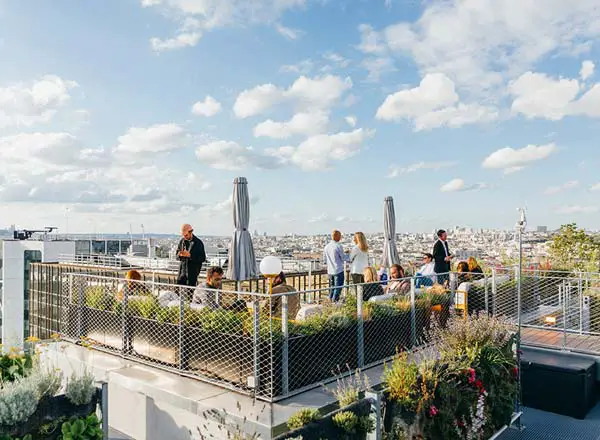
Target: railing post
x,y
284,348
413,314
256,339
486,293
182,354
494,290
375,415
80,301
124,327
360,326
310,281
104,409
580,302
564,312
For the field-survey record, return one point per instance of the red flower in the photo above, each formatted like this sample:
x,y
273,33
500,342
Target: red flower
x,y
515,373
460,424
471,374
479,385
433,411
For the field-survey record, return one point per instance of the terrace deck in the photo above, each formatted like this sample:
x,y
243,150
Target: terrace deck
x,y
556,339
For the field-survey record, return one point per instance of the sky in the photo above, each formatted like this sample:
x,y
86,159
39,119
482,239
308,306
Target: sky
x,y
123,113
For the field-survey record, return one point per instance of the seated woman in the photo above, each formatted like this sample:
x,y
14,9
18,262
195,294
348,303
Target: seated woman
x,y
133,286
463,273
371,287
293,300
474,269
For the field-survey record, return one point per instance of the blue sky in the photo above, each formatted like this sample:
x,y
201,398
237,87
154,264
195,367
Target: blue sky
x,y
143,112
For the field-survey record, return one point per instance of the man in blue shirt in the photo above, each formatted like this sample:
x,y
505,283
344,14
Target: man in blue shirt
x,y
334,257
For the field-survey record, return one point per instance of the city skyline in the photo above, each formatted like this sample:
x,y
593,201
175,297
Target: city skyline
x,y
143,112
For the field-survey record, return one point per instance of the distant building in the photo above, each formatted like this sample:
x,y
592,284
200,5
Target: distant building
x,y
543,229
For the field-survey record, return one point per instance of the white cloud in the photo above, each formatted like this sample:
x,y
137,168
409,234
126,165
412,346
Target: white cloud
x,y
537,95
289,33
540,96
160,138
396,171
198,16
304,94
351,120
300,124
577,209
551,190
229,155
26,104
209,107
587,69
456,185
336,59
434,103
479,44
319,219
595,187
303,67
318,152
511,159
377,67
180,41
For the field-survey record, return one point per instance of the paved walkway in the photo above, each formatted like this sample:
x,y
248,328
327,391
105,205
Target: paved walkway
x,y
116,435
540,425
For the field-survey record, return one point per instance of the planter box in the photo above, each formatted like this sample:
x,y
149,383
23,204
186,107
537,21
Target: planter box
x,y
154,340
50,409
103,327
385,336
225,356
315,358
422,324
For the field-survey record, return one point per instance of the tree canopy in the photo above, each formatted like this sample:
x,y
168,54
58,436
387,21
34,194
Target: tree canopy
x,y
574,249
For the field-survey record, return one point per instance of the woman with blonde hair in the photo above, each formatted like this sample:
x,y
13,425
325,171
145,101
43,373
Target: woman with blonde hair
x,y
359,258
474,268
372,287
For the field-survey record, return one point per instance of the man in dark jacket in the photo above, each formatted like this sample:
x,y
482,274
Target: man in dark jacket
x,y
191,254
442,257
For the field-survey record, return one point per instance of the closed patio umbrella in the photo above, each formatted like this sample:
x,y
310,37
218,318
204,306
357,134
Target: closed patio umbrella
x,y
242,262
390,252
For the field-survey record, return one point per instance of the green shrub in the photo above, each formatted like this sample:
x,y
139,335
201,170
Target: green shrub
x,y
97,298
80,389
85,428
18,401
15,364
348,389
346,421
144,307
303,418
168,315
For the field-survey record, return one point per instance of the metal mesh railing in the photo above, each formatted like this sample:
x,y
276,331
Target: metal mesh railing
x,y
277,345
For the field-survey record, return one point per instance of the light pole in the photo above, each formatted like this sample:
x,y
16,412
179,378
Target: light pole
x,y
521,225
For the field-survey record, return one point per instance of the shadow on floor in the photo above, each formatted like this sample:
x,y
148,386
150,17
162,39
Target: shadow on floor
x,y
540,425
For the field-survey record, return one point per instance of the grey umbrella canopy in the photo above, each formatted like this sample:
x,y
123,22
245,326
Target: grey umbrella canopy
x,y
390,252
242,262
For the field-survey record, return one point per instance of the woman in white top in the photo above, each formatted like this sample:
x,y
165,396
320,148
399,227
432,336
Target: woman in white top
x,y
359,258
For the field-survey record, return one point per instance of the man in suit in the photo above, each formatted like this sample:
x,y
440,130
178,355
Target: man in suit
x,y
191,256
442,257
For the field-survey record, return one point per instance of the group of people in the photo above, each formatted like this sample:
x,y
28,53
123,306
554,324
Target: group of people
x,y
434,269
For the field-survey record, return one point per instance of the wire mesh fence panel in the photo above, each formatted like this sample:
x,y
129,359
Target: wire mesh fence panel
x,y
92,310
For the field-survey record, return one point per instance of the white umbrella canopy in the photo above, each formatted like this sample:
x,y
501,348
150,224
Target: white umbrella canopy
x,y
242,261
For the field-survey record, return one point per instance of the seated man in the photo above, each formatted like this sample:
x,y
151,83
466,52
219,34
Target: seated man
x,y
397,284
280,287
205,294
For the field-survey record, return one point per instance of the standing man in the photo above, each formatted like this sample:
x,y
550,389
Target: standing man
x,y
191,255
334,257
442,257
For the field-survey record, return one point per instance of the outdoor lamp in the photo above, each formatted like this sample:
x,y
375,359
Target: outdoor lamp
x,y
270,267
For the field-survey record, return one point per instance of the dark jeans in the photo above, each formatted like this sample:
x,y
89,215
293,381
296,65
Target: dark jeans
x,y
336,281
